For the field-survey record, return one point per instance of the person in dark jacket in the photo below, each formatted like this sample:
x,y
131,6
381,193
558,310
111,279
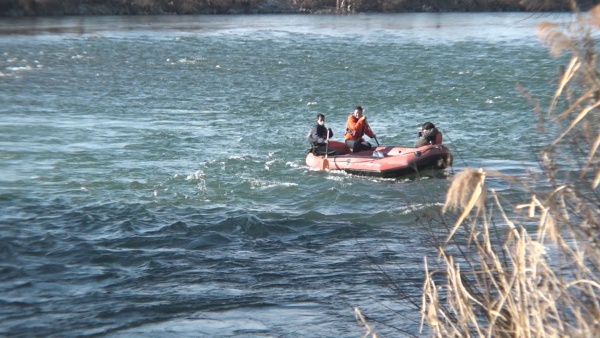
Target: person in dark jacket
x,y
319,136
429,134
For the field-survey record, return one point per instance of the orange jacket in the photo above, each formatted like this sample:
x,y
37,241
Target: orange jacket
x,y
356,128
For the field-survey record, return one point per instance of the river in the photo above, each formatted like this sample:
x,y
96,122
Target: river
x,y
152,175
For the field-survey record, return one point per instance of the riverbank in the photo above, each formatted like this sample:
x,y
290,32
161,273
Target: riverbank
x,y
17,8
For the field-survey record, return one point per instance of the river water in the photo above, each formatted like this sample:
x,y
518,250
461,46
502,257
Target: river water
x,y
152,176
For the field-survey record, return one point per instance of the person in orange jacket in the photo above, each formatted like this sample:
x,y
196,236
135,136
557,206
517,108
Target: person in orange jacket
x,y
356,128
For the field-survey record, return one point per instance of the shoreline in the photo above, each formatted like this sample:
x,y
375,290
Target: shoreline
x,y
53,8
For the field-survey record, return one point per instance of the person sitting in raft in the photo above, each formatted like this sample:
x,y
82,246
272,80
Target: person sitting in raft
x,y
319,136
429,134
356,127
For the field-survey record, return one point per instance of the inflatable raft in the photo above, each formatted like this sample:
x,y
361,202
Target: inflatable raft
x,y
387,162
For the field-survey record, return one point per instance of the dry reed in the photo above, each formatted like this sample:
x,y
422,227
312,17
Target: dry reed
x,y
532,270
361,318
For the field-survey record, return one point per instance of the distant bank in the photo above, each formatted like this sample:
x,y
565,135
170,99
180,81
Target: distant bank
x,y
187,7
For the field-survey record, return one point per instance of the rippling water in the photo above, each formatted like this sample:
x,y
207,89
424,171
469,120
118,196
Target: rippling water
x,y
152,177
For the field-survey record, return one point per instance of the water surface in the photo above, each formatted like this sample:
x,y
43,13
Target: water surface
x,y
152,177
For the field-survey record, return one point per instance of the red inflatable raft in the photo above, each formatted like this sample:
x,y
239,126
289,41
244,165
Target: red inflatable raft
x,y
388,162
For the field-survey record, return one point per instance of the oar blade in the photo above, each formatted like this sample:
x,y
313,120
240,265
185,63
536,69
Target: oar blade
x,y
325,164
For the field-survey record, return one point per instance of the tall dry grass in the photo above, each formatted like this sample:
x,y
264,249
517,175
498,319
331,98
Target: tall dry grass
x,y
532,269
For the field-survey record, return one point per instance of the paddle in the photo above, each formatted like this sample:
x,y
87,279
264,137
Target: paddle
x,y
371,130
325,163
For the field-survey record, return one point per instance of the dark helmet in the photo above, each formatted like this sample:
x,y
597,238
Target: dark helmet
x,y
427,126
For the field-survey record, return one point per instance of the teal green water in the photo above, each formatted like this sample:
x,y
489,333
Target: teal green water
x,y
152,176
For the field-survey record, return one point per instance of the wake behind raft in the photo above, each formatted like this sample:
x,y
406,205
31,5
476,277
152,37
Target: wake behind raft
x,y
382,161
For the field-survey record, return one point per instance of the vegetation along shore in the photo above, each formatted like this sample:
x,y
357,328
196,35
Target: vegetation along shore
x,y
190,7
